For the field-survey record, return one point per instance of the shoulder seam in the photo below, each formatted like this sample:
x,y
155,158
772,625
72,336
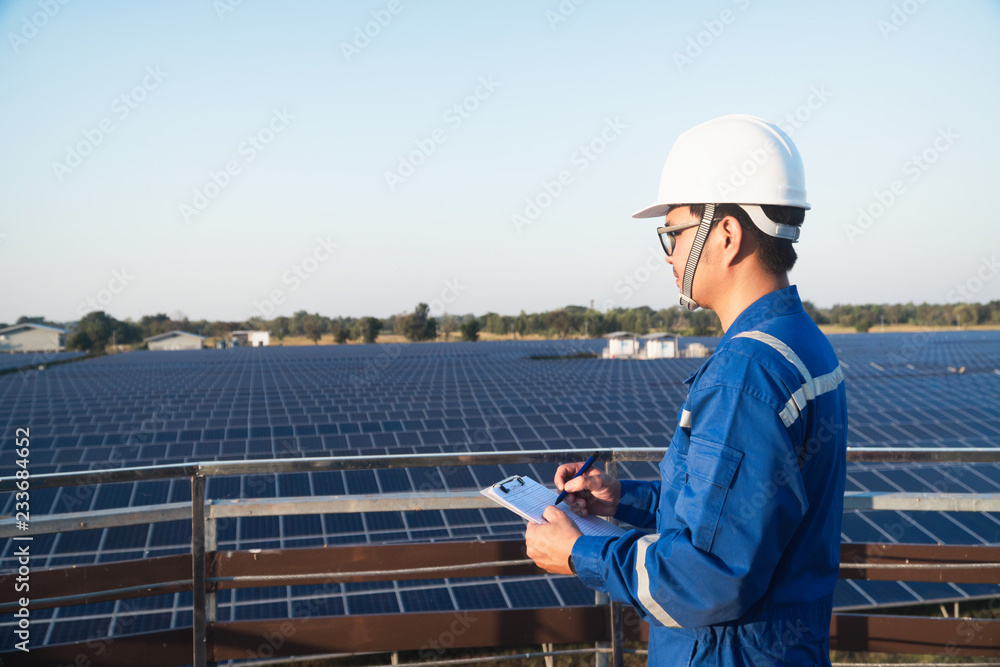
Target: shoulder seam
x,y
744,389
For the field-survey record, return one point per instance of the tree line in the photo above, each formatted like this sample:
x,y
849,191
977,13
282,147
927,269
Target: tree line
x,y
96,330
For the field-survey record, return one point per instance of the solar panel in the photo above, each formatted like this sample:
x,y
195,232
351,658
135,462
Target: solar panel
x,y
147,408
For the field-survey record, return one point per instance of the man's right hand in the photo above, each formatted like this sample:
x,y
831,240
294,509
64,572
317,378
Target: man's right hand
x,y
591,493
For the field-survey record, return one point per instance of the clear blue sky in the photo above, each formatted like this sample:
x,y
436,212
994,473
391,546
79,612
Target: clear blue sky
x,y
330,122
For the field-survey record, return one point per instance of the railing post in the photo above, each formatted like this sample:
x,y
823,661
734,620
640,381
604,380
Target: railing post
x,y
601,659
617,633
211,546
200,645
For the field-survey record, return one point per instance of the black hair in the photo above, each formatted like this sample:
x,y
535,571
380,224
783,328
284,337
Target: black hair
x,y
777,256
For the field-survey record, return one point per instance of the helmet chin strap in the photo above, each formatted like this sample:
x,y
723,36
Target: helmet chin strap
x,y
694,256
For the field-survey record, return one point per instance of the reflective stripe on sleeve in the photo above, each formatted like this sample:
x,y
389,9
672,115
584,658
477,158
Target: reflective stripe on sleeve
x,y
645,596
685,418
811,388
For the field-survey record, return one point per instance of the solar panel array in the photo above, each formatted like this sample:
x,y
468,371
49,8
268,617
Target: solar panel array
x,y
147,408
34,359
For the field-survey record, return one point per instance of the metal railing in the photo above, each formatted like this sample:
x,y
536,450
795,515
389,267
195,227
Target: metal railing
x,y
211,570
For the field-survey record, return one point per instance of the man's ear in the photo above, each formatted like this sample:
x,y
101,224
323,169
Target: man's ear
x,y
734,242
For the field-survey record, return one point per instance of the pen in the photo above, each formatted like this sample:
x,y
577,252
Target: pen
x,y
586,466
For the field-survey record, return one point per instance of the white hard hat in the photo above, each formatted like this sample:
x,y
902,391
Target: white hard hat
x,y
737,159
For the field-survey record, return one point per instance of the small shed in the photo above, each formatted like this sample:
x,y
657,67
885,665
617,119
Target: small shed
x,y
31,337
621,345
698,350
176,340
661,346
251,338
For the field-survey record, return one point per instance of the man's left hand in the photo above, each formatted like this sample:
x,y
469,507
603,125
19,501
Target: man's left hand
x,y
550,544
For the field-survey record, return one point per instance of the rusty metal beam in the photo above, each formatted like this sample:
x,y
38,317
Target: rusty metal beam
x,y
941,562
103,580
92,579
168,648
348,559
426,632
479,629
915,635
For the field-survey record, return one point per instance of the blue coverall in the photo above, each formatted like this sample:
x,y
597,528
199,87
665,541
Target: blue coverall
x,y
748,510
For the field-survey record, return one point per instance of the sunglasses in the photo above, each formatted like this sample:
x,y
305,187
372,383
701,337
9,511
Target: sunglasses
x,y
668,235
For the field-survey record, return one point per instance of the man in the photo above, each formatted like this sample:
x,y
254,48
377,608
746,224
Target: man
x,y
741,566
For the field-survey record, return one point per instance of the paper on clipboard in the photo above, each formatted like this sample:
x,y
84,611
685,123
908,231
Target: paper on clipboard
x,y
528,498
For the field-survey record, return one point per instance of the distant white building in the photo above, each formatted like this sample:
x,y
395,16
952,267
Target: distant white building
x,y
627,345
696,350
176,340
661,346
30,337
621,345
251,338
